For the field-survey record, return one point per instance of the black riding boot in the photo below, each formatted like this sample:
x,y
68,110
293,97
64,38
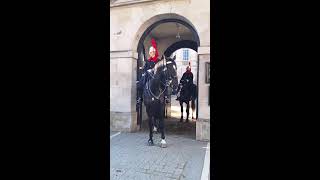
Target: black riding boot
x,y
139,94
139,98
140,87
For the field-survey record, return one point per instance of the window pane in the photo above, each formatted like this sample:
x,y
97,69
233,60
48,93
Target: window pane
x,y
185,54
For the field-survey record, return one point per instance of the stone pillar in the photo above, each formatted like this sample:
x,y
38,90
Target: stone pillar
x,y
123,68
203,122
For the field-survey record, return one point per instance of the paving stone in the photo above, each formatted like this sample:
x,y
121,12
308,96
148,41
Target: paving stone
x,y
138,161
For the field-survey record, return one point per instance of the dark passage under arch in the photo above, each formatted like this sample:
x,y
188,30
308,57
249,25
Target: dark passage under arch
x,y
181,44
150,28
192,44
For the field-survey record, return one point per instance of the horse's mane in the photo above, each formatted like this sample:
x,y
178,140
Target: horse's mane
x,y
159,66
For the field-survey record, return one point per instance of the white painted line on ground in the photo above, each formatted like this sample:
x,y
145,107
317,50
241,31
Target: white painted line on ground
x,y
206,164
116,134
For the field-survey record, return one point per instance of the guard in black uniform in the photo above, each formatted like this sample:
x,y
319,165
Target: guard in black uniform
x,y
147,70
186,80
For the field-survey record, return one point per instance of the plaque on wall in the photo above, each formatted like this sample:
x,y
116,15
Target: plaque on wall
x,y
207,72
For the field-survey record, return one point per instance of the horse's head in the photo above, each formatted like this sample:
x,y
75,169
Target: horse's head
x,y
166,70
171,72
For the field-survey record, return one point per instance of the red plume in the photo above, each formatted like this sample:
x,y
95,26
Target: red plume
x,y
153,42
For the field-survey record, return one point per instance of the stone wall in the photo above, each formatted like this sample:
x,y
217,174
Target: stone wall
x,y
123,91
203,123
203,130
128,22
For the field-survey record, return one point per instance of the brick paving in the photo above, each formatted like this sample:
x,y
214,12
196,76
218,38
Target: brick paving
x,y
131,157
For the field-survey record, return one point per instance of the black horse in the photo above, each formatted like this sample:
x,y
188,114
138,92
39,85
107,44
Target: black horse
x,y
162,76
188,92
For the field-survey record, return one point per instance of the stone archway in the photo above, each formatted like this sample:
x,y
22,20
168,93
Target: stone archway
x,y
192,45
123,75
151,23
148,27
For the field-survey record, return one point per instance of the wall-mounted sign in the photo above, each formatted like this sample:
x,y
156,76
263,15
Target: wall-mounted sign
x,y
207,72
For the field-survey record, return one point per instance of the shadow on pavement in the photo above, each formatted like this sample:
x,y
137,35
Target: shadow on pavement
x,y
173,126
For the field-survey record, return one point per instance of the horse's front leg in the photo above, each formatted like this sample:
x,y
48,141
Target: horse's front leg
x,y
181,105
187,110
163,143
154,124
165,112
193,107
150,141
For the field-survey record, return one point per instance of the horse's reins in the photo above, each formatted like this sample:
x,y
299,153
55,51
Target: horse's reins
x,y
165,84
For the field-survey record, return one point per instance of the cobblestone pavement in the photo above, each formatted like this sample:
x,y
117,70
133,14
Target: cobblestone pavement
x,y
132,159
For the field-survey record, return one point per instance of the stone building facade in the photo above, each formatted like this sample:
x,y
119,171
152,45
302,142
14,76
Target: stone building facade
x,y
133,23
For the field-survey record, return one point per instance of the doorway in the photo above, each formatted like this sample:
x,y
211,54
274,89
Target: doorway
x,y
172,36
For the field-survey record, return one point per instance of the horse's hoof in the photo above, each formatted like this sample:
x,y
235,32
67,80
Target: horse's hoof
x,y
163,144
150,143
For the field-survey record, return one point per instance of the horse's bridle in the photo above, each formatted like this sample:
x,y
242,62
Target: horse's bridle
x,y
166,84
